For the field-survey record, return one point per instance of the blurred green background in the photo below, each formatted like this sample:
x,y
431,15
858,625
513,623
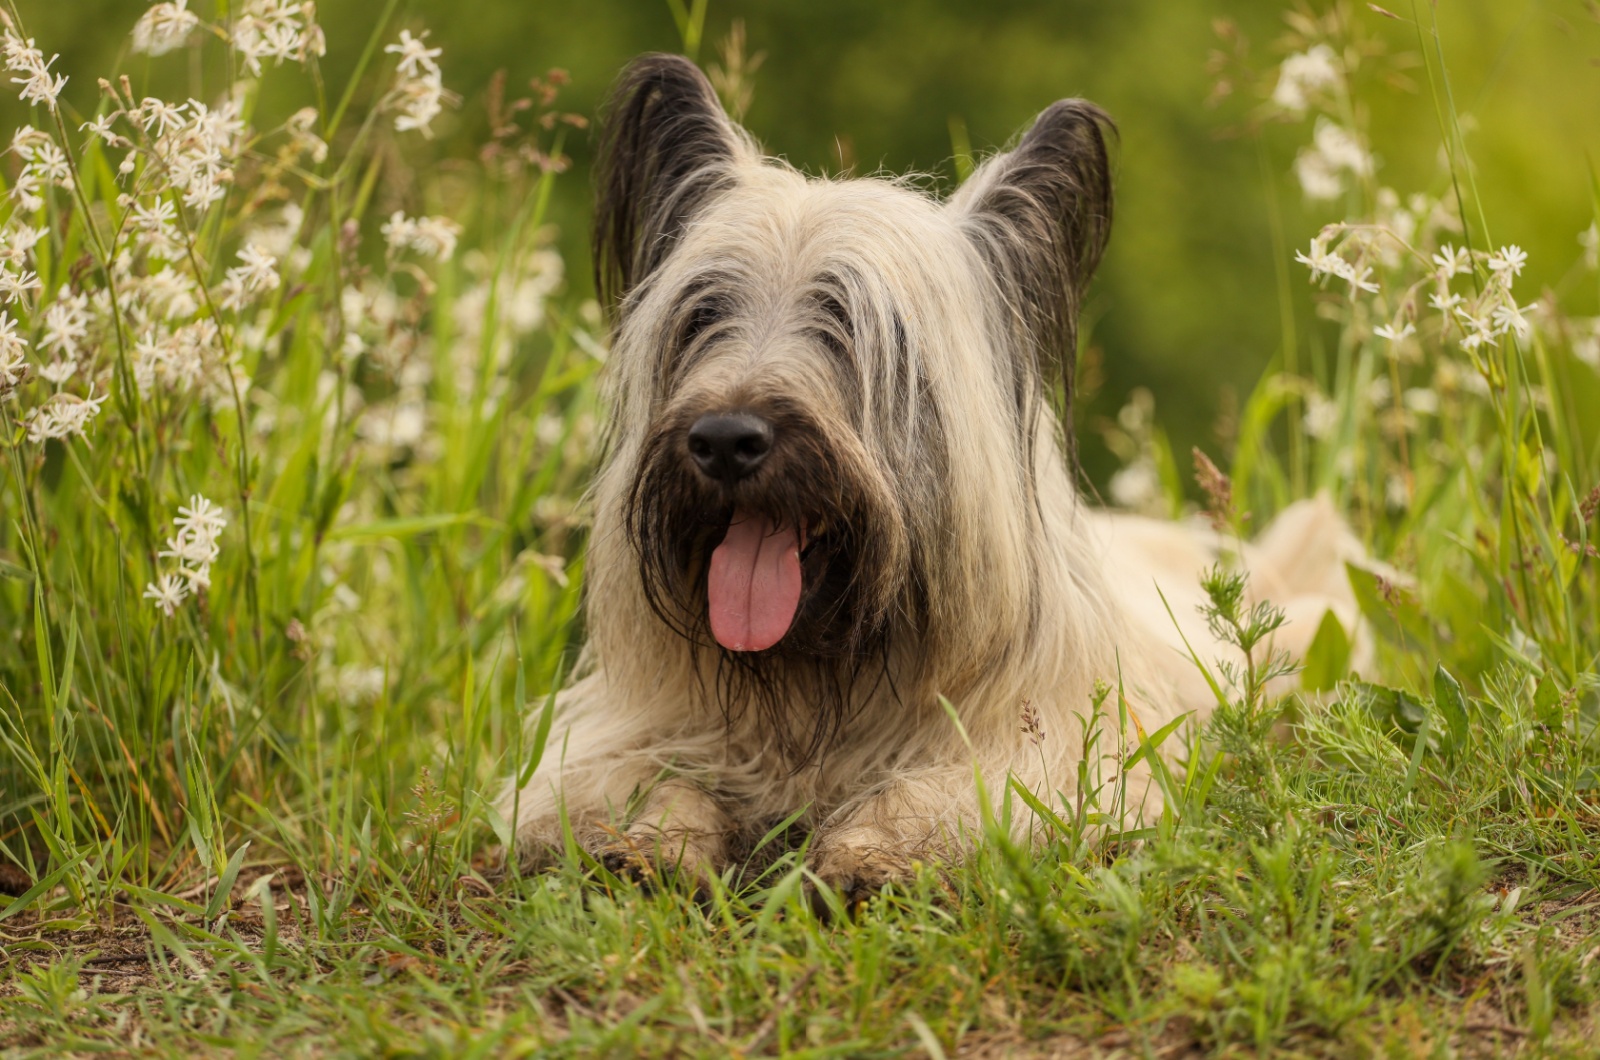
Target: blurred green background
x,y
1187,303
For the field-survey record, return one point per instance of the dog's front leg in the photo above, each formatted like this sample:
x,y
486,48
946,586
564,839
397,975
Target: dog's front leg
x,y
879,838
680,830
628,790
624,812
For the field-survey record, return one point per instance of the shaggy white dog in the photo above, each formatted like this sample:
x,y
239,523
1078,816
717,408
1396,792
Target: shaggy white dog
x,y
836,495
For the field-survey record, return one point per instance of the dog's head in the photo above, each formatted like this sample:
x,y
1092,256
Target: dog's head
x,y
830,395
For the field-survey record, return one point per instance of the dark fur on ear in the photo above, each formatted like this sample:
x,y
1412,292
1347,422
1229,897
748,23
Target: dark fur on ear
x,y
666,146
1041,214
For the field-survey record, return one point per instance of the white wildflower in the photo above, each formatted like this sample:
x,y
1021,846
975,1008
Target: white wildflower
x,y
38,84
1477,331
1509,261
13,285
63,415
1422,401
49,164
164,28
1445,302
170,293
160,117
59,371
1587,349
397,232
303,139
355,685
16,244
279,239
194,545
196,152
433,236
1322,416
401,426
1341,148
155,227
418,92
102,126
1395,334
1137,486
280,30
169,360
1451,261
167,592
1305,73
1509,318
177,361
1333,152
66,324
1589,240
1361,280
1397,492
25,189
195,346
257,272
26,140
1318,180
416,58
1320,261
13,350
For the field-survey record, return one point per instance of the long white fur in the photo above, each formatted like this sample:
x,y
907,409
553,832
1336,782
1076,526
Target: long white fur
x,y
1035,596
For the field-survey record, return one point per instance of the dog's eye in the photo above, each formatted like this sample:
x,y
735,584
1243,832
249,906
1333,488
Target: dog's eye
x,y
702,318
835,332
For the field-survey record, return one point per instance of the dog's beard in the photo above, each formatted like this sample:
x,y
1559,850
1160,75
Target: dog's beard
x,y
792,577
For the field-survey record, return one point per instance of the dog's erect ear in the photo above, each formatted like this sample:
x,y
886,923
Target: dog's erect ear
x,y
1041,214
666,147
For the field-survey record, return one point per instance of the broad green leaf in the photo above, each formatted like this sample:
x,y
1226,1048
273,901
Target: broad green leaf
x,y
1327,661
1451,703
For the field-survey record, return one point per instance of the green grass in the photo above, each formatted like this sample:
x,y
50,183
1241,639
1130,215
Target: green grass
x,y
259,826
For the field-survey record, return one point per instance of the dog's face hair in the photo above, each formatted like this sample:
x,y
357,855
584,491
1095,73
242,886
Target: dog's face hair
x,y
815,382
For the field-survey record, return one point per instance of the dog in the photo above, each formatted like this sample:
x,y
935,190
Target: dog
x,y
839,567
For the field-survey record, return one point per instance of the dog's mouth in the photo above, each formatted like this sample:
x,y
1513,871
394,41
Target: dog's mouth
x,y
756,579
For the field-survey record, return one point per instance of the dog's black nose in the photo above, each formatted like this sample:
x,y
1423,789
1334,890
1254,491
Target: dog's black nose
x,y
727,447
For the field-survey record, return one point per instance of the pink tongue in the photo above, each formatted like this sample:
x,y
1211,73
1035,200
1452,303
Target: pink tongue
x,y
754,587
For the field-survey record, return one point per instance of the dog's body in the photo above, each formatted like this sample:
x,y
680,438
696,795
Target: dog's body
x,y
835,497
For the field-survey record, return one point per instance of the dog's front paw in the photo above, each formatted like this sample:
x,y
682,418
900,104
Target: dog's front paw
x,y
651,859
858,863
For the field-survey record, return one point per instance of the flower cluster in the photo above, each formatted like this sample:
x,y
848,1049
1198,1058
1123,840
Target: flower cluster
x,y
62,415
1335,153
44,165
66,330
1307,75
13,355
170,293
418,93
176,360
164,28
434,237
39,85
278,30
194,546
256,273
1480,319
1134,438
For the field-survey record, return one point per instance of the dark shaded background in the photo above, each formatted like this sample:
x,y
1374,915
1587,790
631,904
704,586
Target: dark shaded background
x,y
1187,302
